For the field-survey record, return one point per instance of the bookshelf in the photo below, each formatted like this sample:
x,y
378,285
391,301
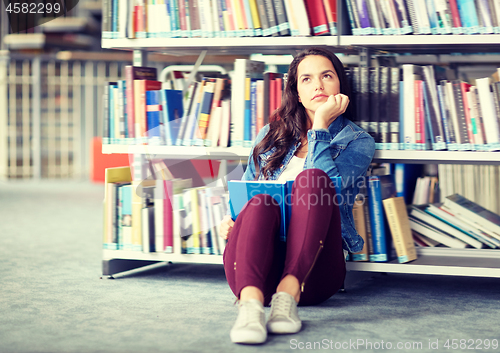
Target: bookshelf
x,y
436,261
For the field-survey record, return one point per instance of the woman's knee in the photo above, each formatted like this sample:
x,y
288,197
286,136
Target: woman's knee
x,y
264,202
313,180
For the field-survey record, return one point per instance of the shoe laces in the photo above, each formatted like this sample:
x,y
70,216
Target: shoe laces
x,y
249,312
281,304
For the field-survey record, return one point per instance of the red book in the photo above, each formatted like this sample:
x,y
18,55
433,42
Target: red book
x,y
135,73
272,97
455,15
465,87
317,17
182,15
260,105
331,13
140,88
279,91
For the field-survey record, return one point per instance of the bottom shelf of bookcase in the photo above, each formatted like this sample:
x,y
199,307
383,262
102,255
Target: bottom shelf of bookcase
x,y
441,261
431,261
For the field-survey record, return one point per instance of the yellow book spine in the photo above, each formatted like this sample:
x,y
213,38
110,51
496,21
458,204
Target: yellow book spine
x,y
360,225
239,14
255,14
397,217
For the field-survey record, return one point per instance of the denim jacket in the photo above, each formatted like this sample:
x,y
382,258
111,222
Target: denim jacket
x,y
343,150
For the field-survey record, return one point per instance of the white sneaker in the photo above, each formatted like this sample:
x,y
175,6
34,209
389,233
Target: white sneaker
x,y
284,314
250,325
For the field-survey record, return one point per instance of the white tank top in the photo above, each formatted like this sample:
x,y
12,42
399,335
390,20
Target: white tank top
x,y
294,167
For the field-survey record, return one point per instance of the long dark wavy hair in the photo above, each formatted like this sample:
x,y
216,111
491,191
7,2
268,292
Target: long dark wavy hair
x,y
289,121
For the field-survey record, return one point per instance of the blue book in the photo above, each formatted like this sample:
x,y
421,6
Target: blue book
x,y
112,86
125,235
241,191
379,188
153,109
468,16
247,132
172,114
405,177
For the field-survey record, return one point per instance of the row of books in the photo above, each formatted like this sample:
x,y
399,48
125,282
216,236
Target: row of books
x,y
408,108
164,215
213,112
424,16
412,108
217,18
478,183
381,217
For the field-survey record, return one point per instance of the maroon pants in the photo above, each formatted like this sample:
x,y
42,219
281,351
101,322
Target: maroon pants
x,y
254,255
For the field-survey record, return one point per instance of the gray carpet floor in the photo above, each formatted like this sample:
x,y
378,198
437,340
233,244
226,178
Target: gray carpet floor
x,y
54,299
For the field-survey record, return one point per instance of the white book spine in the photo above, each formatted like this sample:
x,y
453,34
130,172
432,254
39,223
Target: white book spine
x,y
299,9
159,216
409,107
238,102
225,123
488,112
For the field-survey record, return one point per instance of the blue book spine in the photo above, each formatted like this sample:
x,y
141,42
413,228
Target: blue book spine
x,y
377,220
153,117
169,26
115,18
429,136
468,15
175,109
247,132
433,20
166,137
